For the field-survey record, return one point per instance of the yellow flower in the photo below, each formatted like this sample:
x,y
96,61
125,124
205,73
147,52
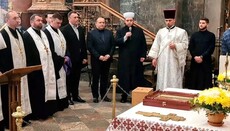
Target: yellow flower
x,y
214,99
220,77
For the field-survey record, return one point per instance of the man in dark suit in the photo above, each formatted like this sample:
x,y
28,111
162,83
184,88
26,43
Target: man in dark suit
x,y
101,46
76,50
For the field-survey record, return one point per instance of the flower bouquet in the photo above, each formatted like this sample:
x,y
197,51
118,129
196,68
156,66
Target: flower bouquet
x,y
215,101
224,80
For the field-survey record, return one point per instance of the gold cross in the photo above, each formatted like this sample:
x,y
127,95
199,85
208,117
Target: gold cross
x,y
18,44
47,51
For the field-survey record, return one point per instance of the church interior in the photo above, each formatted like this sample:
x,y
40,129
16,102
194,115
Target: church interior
x,y
148,16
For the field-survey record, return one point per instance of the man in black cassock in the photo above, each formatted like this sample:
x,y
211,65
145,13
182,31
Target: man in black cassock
x,y
132,53
201,47
42,83
58,47
13,56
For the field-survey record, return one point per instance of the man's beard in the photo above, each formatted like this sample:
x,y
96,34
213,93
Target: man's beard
x,y
39,27
204,28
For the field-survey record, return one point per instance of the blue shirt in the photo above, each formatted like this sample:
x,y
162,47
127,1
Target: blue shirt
x,y
225,47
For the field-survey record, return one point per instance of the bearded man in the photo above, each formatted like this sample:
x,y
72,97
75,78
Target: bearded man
x,y
201,47
42,83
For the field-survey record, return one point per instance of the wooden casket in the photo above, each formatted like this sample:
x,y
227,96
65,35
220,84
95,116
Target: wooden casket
x,y
169,99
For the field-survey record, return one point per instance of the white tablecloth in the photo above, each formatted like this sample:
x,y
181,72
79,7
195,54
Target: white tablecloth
x,y
195,121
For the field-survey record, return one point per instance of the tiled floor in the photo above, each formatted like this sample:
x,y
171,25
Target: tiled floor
x,y
81,117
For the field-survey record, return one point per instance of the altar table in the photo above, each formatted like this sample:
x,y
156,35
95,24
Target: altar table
x,y
195,121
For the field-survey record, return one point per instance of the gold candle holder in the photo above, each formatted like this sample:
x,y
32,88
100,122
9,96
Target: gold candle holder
x,y
19,114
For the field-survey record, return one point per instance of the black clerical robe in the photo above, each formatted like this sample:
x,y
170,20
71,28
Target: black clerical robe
x,y
6,64
202,44
13,56
36,80
130,69
58,60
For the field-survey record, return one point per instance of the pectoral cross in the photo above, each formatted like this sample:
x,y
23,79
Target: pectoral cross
x,y
20,50
45,47
47,50
62,45
19,47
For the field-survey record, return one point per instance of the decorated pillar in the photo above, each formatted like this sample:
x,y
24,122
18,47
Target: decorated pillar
x,y
48,5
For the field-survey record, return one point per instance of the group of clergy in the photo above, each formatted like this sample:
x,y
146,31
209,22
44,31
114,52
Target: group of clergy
x,y
44,91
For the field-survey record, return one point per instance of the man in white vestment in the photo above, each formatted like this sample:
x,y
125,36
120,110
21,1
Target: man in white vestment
x,y
2,46
168,52
13,56
58,47
42,83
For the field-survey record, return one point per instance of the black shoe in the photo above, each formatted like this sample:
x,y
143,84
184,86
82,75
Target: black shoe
x,y
95,100
25,123
123,100
78,99
107,99
71,102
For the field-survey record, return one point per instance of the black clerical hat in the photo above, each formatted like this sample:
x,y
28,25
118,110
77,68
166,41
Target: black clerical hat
x,y
170,13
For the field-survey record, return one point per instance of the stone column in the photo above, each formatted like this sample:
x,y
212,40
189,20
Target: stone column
x,y
214,10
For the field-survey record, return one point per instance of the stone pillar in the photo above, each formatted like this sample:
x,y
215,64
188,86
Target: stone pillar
x,y
214,10
193,10
149,13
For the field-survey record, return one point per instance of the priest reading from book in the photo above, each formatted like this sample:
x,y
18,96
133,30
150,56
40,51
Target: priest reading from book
x,y
168,52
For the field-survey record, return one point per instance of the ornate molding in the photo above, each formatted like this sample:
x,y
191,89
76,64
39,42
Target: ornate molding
x,y
48,5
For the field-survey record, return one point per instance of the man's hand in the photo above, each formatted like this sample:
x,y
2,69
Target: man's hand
x,y
84,61
142,59
154,62
106,57
198,59
101,57
128,34
172,46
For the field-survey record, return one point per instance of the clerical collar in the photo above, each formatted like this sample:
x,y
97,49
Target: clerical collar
x,y
14,33
37,31
169,28
54,29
